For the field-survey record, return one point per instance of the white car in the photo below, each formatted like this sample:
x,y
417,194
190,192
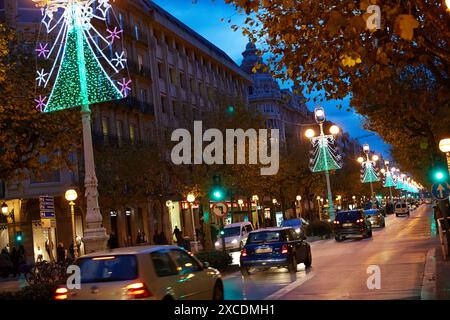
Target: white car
x,y
144,272
401,208
235,235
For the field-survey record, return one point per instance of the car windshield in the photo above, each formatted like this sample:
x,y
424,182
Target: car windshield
x,y
348,215
232,232
108,268
264,236
291,223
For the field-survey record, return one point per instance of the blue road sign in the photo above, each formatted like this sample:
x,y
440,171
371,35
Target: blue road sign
x,y
440,190
47,206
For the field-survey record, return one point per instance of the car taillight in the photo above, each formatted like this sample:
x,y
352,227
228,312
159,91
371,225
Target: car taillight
x,y
284,248
244,252
336,222
360,220
61,294
138,290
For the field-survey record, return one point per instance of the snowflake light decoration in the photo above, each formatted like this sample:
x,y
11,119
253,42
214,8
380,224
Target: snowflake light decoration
x,y
324,156
81,73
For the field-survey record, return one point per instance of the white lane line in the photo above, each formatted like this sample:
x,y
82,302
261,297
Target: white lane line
x,y
428,291
278,294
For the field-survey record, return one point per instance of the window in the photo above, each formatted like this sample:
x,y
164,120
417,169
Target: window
x,y
119,125
143,95
132,133
250,90
174,107
121,20
105,126
173,76
140,62
163,265
108,268
182,79
184,263
163,104
264,236
192,84
160,70
136,31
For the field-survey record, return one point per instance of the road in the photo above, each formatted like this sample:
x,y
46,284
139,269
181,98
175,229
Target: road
x,y
339,270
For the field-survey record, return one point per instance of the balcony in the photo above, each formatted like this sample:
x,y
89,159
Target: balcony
x,y
135,104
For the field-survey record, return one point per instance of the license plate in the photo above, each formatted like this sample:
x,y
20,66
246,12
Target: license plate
x,y
346,224
263,250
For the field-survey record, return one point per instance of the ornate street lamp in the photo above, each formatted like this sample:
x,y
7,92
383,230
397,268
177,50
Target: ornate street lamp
x,y
369,172
324,156
444,144
71,195
191,198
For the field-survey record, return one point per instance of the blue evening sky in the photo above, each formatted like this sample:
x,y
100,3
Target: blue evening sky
x,y
204,16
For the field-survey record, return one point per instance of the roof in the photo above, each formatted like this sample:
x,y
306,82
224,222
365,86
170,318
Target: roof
x,y
271,229
130,250
237,224
220,53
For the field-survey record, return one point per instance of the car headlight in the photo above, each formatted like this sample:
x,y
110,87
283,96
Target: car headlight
x,y
217,243
234,241
297,230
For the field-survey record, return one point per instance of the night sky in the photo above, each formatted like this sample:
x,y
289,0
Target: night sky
x,y
204,16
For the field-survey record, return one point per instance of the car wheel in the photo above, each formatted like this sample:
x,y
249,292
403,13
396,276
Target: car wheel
x,y
370,234
292,267
338,238
308,261
245,271
218,291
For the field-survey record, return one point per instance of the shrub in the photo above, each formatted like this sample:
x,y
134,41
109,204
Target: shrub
x,y
215,258
319,228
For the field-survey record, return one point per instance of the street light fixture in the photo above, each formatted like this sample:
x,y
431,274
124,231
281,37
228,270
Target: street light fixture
x,y
71,195
375,157
444,144
360,159
310,133
4,208
191,198
334,129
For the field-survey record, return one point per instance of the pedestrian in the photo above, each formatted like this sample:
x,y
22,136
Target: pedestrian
x,y
162,237
156,238
437,215
178,235
112,242
60,253
139,238
143,237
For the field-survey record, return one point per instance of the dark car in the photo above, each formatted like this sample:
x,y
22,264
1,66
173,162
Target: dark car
x,y
351,223
297,224
375,217
275,247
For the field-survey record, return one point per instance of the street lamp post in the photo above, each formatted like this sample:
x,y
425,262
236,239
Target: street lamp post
x,y
325,157
191,199
71,195
298,208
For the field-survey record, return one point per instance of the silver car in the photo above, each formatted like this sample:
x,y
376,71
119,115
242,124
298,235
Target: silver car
x,y
144,272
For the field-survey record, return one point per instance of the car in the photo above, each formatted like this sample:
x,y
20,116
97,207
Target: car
x,y
275,247
235,235
375,217
296,223
401,208
351,223
162,272
389,208
428,201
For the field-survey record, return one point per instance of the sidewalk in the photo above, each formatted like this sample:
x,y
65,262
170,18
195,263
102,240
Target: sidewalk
x,y
442,276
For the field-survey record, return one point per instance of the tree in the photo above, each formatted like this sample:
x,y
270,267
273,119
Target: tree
x,y
30,142
331,46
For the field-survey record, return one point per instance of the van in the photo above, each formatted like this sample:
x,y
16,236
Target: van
x,y
401,208
235,235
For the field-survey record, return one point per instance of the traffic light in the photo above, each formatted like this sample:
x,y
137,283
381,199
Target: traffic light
x,y
439,175
230,109
217,191
19,237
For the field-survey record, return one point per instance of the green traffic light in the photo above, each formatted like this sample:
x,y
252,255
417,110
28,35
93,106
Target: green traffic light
x,y
230,109
217,194
439,175
19,238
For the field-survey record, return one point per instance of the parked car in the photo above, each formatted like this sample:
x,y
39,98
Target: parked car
x,y
350,224
235,235
275,247
144,272
375,217
297,224
390,208
401,208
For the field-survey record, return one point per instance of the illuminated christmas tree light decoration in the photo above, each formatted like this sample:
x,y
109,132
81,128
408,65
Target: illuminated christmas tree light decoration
x,y
324,156
389,180
369,173
77,74
77,78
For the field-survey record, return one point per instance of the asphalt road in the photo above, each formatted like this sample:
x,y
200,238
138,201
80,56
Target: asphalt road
x,y
339,270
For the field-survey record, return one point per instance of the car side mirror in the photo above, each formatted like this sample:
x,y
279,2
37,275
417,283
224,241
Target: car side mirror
x,y
205,264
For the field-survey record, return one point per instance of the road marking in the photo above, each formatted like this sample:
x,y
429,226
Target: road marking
x,y
428,291
278,294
